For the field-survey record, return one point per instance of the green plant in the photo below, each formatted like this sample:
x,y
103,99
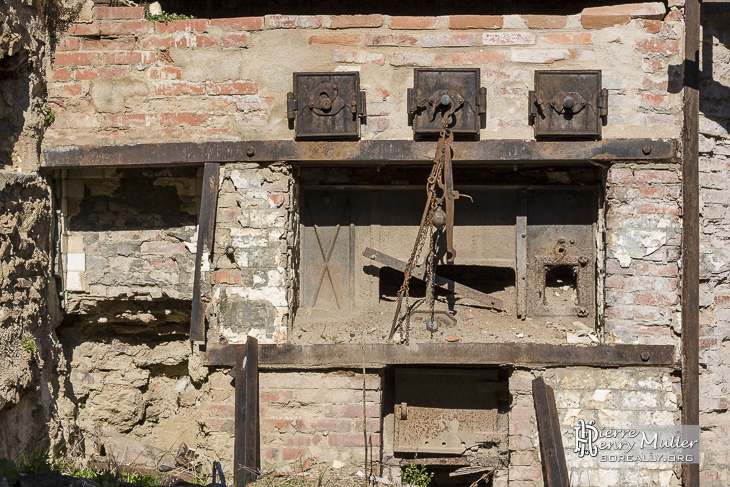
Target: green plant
x,y
37,461
416,475
48,116
29,346
9,470
165,17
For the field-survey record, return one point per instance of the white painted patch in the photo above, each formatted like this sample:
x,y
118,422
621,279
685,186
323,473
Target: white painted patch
x,y
76,262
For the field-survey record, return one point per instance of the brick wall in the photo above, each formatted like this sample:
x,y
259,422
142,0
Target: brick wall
x,y
613,398
643,236
122,79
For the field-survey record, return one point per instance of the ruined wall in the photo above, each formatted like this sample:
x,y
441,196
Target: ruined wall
x,y
28,313
714,254
121,79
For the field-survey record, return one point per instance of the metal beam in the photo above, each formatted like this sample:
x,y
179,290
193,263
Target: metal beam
x,y
691,231
362,152
378,355
246,444
206,231
554,468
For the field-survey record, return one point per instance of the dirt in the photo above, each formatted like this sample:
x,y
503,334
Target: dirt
x,y
473,324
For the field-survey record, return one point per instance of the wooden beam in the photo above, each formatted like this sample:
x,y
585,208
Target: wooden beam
x,y
246,447
375,152
378,355
555,470
206,232
691,231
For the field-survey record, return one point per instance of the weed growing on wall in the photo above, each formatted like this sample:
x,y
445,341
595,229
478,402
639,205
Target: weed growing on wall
x,y
166,17
416,475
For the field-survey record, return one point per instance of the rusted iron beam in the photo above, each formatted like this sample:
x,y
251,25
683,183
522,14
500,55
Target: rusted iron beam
x,y
378,355
555,470
363,152
206,231
246,446
691,231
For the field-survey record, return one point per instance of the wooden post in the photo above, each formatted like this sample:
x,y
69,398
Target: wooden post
x,y
554,468
206,231
246,459
691,231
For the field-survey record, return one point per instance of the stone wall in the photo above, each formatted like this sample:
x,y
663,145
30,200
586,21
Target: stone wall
x,y
122,79
28,314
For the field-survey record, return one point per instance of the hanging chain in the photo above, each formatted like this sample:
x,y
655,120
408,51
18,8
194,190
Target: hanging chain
x,y
425,233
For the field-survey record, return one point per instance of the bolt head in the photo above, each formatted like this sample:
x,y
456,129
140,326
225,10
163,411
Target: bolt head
x,y
445,100
439,218
645,356
568,103
646,149
250,151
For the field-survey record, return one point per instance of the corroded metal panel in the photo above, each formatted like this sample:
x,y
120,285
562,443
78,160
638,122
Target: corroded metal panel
x,y
568,104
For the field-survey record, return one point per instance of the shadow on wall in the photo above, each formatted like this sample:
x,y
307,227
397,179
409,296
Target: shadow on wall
x,y
15,81
714,95
216,9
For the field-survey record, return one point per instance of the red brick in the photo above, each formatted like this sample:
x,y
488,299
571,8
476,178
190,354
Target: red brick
x,y
722,301
189,25
122,44
674,16
520,443
415,23
68,89
658,46
229,40
656,299
358,57
164,72
231,88
389,40
294,453
157,42
61,74
280,424
109,27
589,21
332,425
223,410
101,73
345,439
449,40
649,85
335,39
353,21
293,21
239,23
657,209
91,29
653,65
568,38
382,93
656,176
651,26
524,473
75,58
709,343
127,120
226,277
68,44
652,101
546,21
476,22
417,59
130,57
174,88
118,13
501,91
651,192
184,118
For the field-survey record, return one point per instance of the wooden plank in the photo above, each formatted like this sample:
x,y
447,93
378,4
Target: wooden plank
x,y
377,152
555,470
206,232
246,448
378,355
691,232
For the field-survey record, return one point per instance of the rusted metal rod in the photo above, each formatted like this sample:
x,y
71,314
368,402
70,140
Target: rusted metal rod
x,y
246,458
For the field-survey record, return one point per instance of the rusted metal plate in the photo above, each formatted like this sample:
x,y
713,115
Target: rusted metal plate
x,y
326,105
443,431
449,411
453,94
551,443
378,355
568,104
247,447
561,271
376,152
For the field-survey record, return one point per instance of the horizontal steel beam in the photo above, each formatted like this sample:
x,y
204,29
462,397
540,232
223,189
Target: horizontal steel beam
x,y
362,152
378,355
